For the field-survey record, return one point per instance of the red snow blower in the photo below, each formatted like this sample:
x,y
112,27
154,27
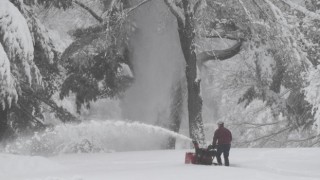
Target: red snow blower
x,y
202,156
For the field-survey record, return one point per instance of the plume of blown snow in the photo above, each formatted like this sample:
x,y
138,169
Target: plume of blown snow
x,y
95,136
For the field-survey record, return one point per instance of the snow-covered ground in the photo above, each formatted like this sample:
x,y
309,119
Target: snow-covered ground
x,y
247,164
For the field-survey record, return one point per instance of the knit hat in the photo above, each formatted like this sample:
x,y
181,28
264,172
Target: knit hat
x,y
220,123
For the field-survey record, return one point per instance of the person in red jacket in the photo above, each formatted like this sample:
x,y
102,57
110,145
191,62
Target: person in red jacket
x,y
222,140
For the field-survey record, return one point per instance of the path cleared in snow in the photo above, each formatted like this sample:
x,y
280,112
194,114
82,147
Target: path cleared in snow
x,y
247,164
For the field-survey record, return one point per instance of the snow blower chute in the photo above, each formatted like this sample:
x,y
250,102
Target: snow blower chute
x,y
203,156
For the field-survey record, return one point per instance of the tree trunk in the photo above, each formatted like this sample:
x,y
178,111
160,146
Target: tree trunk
x,y
186,32
3,122
187,35
277,77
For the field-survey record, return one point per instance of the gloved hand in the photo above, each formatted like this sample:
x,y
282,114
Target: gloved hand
x,y
214,146
211,146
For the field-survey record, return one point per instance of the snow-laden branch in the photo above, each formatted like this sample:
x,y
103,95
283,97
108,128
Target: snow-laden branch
x,y
17,42
302,9
246,10
220,54
49,102
8,92
232,35
256,125
30,115
5,73
176,11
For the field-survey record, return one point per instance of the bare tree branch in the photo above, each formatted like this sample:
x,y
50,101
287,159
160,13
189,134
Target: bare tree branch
x,y
220,54
98,18
269,135
196,6
304,10
256,125
232,36
174,10
137,6
306,139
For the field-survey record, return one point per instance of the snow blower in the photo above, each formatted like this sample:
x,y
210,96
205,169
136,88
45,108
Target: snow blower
x,y
202,156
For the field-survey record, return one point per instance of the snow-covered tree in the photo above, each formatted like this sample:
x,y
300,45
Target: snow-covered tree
x,y
17,43
17,52
97,61
188,14
270,74
30,66
7,89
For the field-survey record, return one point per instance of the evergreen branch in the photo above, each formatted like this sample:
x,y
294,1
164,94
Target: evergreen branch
x,y
80,44
55,107
35,119
49,102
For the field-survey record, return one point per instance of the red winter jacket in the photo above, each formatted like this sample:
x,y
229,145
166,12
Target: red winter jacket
x,y
222,135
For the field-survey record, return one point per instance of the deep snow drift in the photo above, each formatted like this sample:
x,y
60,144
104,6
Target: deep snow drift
x,y
247,164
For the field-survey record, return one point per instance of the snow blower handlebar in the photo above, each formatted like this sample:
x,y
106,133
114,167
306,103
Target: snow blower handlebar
x,y
195,144
210,147
201,156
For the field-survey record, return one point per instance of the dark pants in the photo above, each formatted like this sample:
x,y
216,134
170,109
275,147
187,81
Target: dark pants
x,y
225,149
